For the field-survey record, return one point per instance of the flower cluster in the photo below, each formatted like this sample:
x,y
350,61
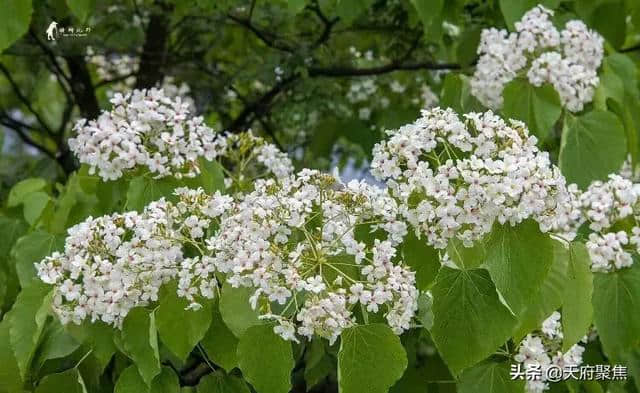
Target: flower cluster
x,y
537,51
303,245
113,263
250,158
145,128
117,67
455,177
541,350
612,211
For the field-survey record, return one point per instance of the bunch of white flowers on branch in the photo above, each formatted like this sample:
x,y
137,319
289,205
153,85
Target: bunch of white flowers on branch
x,y
148,129
114,263
247,158
304,246
543,349
567,59
454,177
612,211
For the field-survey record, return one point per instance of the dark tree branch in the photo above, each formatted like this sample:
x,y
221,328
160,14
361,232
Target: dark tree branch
x,y
154,50
630,49
82,87
266,37
192,377
59,72
260,106
328,25
116,79
391,67
19,128
25,101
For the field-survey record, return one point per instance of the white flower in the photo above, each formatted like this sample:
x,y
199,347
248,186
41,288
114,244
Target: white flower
x,y
568,60
455,178
144,128
113,263
542,351
302,245
603,205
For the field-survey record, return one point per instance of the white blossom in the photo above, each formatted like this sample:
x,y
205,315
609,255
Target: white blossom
x,y
542,349
301,245
455,178
114,263
146,129
567,59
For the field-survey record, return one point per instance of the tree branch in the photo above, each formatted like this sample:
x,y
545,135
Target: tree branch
x,y
263,36
18,127
391,67
259,106
82,87
192,377
154,50
25,101
631,48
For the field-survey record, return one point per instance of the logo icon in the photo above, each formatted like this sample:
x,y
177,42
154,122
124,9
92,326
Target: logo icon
x,y
52,31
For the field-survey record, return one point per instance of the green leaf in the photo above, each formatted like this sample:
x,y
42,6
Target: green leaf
x,y
466,257
172,317
514,10
144,190
266,360
20,191
166,382
218,382
468,46
315,374
26,323
489,377
538,107
13,229
593,145
518,259
100,339
296,6
607,17
141,342
80,8
236,310
15,19
57,343
31,249
220,343
371,359
413,381
618,91
34,205
456,94
615,296
429,11
549,296
349,10
577,312
425,310
422,258
211,177
10,380
130,381
71,380
470,322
